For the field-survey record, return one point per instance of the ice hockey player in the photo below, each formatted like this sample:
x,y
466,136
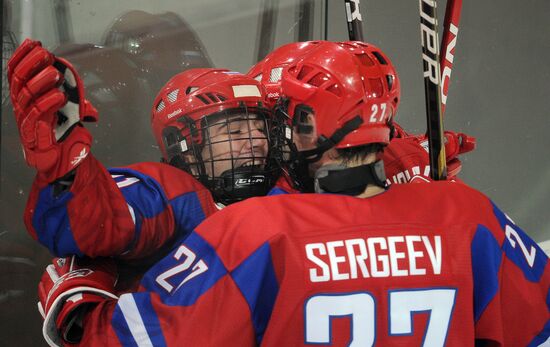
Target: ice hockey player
x,y
209,123
405,265
405,158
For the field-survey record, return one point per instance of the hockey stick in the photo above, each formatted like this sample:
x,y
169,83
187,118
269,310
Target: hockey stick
x,y
353,17
305,12
448,43
62,20
267,23
432,88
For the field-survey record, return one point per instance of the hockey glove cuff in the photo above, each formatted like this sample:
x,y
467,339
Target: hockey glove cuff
x,y
69,288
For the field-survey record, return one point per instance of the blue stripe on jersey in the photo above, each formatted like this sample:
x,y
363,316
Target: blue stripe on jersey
x,y
521,249
146,196
256,279
543,336
486,260
150,319
51,220
193,213
135,321
148,199
118,322
277,191
185,293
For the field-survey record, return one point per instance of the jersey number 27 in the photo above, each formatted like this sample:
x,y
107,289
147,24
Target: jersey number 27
x,y
361,308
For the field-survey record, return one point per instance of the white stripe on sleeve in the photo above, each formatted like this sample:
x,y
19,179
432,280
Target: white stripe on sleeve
x,y
133,319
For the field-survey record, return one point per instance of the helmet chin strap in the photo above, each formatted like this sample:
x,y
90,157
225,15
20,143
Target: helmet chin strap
x,y
299,162
341,179
325,143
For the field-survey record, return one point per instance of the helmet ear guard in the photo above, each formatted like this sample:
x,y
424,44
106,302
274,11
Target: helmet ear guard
x,y
177,145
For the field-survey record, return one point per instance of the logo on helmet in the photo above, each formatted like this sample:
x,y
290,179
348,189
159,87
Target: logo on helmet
x,y
175,113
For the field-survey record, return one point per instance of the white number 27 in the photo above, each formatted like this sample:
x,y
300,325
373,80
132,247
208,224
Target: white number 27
x,y
188,262
361,307
377,115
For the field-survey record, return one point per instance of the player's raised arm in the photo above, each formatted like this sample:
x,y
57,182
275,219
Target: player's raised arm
x,y
49,105
76,206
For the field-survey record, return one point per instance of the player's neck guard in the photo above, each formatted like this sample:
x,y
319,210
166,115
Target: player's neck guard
x,y
340,179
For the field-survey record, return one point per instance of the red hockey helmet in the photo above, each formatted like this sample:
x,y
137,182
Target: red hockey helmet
x,y
200,111
270,69
351,87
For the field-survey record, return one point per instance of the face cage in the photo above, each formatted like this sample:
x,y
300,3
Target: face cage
x,y
199,158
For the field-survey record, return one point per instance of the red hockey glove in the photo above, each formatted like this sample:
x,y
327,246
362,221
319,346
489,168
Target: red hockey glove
x,y
456,144
68,289
398,131
407,157
48,101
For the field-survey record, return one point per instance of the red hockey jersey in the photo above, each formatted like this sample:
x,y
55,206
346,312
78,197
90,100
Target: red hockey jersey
x,y
449,269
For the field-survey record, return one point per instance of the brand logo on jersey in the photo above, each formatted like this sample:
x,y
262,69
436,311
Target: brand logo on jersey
x,y
83,154
175,113
428,33
250,181
408,175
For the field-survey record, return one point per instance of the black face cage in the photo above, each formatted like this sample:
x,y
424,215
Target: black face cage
x,y
234,174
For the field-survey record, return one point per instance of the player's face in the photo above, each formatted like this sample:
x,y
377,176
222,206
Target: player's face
x,y
235,141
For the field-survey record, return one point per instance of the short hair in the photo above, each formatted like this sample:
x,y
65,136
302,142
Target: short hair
x,y
358,153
